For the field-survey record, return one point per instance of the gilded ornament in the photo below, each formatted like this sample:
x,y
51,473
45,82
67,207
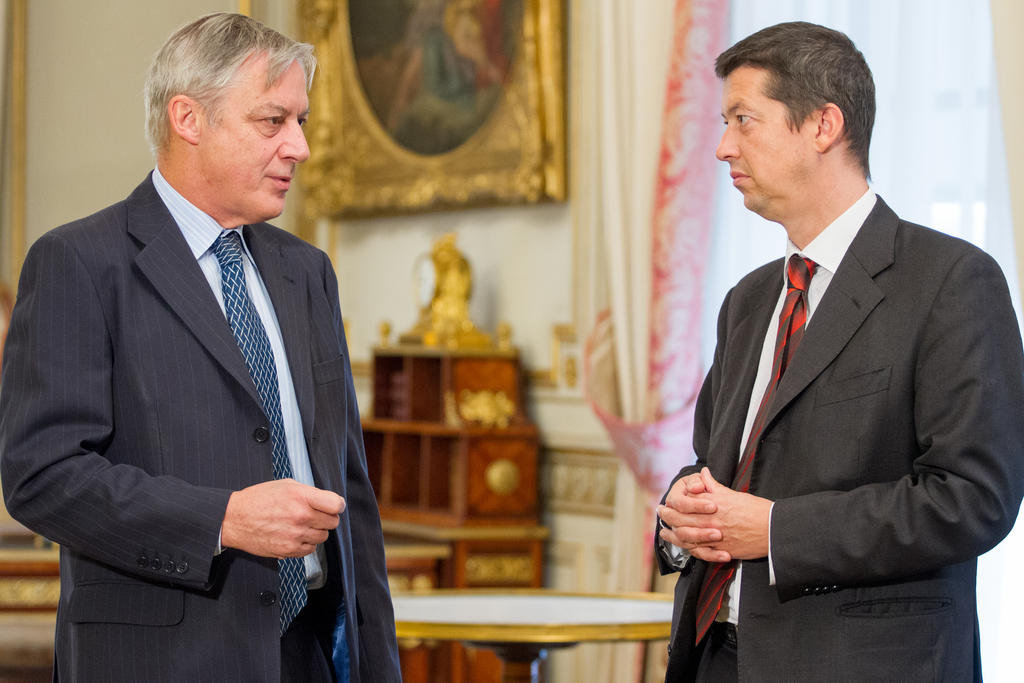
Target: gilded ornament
x,y
399,583
504,333
21,593
488,408
502,476
451,410
444,316
422,582
497,570
571,372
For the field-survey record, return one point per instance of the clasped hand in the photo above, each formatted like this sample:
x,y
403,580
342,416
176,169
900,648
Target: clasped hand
x,y
714,523
280,518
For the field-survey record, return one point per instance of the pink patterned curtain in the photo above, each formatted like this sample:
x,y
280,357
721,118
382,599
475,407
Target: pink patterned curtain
x,y
681,222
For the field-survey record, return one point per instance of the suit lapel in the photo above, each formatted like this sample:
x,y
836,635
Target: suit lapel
x,y
167,262
285,281
850,298
743,351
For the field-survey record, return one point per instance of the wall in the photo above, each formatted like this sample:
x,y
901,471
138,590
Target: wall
x,y
86,65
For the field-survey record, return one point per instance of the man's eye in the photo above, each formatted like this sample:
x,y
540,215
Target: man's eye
x,y
302,120
742,118
276,120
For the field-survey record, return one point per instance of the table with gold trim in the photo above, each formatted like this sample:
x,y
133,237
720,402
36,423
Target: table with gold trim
x,y
521,625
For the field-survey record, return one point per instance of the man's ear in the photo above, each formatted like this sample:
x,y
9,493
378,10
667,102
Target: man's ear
x,y
830,126
185,118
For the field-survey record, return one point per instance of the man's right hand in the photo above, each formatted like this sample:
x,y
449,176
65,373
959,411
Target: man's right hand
x,y
688,513
280,518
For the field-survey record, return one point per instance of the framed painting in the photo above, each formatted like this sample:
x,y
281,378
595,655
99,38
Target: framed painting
x,y
427,104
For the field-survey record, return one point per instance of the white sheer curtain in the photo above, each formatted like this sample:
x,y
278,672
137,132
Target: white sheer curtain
x,y
620,61
937,158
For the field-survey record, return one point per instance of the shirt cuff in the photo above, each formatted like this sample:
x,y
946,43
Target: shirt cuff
x,y
673,554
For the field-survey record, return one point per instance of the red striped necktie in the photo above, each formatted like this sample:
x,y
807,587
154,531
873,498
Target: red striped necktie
x,y
799,272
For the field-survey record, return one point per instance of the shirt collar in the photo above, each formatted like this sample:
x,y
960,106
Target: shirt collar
x,y
199,229
829,247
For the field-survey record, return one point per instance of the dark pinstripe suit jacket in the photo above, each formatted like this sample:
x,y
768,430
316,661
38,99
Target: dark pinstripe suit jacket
x,y
127,418
894,451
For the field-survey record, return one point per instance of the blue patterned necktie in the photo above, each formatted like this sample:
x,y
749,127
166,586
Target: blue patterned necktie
x,y
252,339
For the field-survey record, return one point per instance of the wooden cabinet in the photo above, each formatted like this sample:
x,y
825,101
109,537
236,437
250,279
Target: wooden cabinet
x,y
452,456
449,443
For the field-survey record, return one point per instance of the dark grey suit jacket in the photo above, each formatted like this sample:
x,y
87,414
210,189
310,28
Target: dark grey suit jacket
x,y
127,417
894,452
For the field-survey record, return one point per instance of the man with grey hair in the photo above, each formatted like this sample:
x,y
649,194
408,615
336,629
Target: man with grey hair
x,y
859,437
177,408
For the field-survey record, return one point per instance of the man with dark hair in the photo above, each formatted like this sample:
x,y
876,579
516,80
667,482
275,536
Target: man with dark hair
x,y
858,437
177,408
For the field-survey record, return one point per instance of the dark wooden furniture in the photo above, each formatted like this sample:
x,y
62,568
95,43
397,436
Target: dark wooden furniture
x,y
453,458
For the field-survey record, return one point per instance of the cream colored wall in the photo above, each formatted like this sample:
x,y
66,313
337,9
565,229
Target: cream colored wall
x,y
521,271
1007,28
86,65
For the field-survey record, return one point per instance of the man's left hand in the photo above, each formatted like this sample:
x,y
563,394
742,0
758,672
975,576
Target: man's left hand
x,y
742,519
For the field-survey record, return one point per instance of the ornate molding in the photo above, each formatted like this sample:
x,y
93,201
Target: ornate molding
x,y
406,582
499,570
580,483
564,554
29,593
563,366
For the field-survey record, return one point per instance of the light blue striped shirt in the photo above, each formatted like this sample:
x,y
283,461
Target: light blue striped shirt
x,y
200,232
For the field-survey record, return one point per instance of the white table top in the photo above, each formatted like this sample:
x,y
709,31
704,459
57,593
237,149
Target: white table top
x,y
532,615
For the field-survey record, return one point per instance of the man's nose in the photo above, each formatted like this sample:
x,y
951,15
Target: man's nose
x,y
295,147
726,147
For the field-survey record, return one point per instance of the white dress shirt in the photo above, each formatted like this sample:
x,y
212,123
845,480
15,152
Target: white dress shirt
x,y
201,231
827,251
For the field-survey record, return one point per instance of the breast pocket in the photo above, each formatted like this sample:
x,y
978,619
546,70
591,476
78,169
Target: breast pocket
x,y
330,386
330,370
863,384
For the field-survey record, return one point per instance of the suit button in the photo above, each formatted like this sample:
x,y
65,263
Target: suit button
x,y
268,598
817,590
261,434
142,561
156,564
807,590
182,567
169,567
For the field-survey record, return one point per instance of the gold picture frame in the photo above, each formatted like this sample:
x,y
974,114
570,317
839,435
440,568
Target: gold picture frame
x,y
360,164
